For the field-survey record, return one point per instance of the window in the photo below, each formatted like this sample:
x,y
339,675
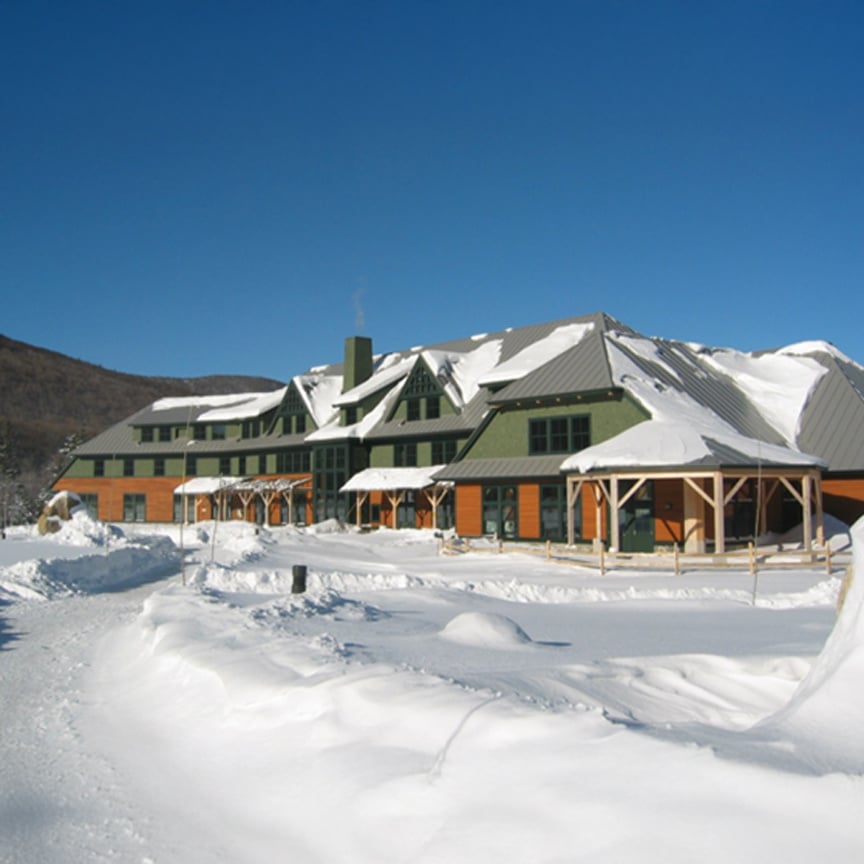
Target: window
x,y
91,501
159,467
501,511
217,431
553,513
559,434
433,407
443,452
350,415
262,463
128,467
251,428
406,514
224,465
199,431
134,507
146,434
164,433
412,407
293,461
421,382
300,424
98,467
330,474
241,464
191,466
405,455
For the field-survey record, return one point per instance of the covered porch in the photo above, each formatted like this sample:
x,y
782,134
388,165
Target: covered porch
x,y
226,497
706,474
699,515
394,485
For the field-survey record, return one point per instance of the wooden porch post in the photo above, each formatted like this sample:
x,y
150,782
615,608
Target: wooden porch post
x,y
614,527
820,516
719,521
807,511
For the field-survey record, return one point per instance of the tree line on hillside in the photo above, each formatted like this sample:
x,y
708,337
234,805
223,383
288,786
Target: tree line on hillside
x,y
51,403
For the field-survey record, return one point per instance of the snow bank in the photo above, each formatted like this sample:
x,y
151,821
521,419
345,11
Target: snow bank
x,y
825,717
116,561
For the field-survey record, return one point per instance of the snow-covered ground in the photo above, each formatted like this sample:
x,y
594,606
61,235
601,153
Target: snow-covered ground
x,y
412,707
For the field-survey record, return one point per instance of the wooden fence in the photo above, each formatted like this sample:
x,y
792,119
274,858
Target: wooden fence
x,y
751,559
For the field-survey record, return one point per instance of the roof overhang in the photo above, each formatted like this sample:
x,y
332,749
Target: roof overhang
x,y
387,479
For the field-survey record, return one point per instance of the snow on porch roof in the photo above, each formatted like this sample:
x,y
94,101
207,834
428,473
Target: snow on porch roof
x,y
386,479
207,485
665,444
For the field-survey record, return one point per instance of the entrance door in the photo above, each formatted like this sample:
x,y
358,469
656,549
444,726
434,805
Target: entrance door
x,y
500,511
636,519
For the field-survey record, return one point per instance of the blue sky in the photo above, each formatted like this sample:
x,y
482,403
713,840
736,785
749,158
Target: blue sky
x,y
193,188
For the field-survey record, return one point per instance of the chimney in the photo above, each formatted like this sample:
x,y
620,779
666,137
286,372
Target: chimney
x,y
358,361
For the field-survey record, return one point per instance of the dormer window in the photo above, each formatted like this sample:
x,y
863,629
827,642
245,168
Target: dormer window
x,y
350,415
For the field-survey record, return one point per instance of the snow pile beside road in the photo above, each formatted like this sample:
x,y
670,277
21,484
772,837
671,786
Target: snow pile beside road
x,y
826,715
116,561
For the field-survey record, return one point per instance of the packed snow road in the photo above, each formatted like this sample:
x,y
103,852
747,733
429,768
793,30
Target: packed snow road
x,y
60,800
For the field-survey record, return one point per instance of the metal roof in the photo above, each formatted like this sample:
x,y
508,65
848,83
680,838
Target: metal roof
x,y
526,467
832,424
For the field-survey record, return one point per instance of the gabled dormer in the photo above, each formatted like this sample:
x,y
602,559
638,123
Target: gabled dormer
x,y
292,415
422,396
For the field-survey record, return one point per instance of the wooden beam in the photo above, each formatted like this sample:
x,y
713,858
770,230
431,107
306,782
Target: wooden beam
x,y
615,526
719,523
734,490
574,487
632,491
820,515
793,491
699,490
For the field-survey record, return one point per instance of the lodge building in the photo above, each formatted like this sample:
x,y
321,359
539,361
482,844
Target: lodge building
x,y
533,433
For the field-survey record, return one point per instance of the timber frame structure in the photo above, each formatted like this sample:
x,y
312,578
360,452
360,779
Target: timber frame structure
x,y
702,491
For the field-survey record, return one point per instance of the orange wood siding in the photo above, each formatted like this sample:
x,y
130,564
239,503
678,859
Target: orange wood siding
x,y
159,492
669,511
844,498
469,510
529,511
160,497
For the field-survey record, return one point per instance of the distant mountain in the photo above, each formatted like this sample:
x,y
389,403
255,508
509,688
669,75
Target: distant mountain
x,y
49,401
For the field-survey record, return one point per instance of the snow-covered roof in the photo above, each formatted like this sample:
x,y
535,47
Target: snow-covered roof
x,y
381,479
806,398
319,391
253,405
383,377
674,444
206,485
537,354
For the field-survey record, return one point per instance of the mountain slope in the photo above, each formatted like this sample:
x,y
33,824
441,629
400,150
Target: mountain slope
x,y
46,398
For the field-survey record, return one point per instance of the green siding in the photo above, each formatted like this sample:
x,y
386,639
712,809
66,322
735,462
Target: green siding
x,y
382,454
507,432
401,412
